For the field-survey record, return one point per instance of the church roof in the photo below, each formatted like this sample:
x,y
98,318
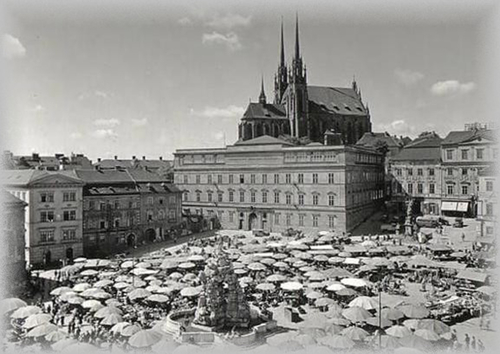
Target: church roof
x,y
264,111
263,140
339,100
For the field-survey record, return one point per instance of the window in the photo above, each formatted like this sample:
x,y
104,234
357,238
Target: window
x,y
102,224
331,221
465,154
117,204
449,171
69,196
432,188
198,196
398,172
116,222
489,186
479,154
400,188
489,230
231,216
420,188
242,196
186,196
409,171
288,219
150,201
209,179
219,197
431,172
172,216
69,215
315,220
198,179
315,199
288,178
47,216
301,178
420,172
410,188
231,179
242,178
449,154
276,178
161,215
252,197
465,190
288,199
150,215
450,189
301,199
252,179
331,178
489,209
277,218
301,219
46,235
68,234
47,197
231,196
264,179
315,178
209,197
185,179
276,197
331,200
219,179
464,172
264,197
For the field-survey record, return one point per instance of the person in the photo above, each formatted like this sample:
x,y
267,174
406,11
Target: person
x,y
480,345
467,341
463,237
473,343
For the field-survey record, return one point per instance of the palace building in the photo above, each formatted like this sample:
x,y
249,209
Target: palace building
x,y
301,110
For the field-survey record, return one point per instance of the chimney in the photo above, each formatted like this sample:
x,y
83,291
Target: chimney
x,y
116,157
98,159
35,156
161,158
144,157
133,157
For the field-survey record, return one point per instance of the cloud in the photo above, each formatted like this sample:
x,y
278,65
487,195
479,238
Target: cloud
x,y
12,47
229,21
107,122
101,94
105,133
398,127
408,77
185,21
230,40
219,136
225,113
452,88
75,135
139,122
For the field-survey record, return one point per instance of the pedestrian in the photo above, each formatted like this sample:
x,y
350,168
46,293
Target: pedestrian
x,y
463,237
480,345
467,342
473,343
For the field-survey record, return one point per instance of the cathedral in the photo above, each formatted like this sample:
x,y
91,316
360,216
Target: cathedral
x,y
317,113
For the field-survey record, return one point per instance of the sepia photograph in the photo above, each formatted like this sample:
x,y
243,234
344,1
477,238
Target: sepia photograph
x,y
249,176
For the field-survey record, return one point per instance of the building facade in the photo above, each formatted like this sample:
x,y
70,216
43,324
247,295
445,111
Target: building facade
x,y
13,232
124,208
487,203
415,173
301,110
53,215
463,154
267,183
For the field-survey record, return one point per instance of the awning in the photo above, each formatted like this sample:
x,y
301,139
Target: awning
x,y
354,261
471,275
463,206
448,206
439,248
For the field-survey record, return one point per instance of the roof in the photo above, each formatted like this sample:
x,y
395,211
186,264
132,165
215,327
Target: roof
x,y
20,177
427,141
339,100
117,176
472,275
418,154
128,163
158,187
10,199
371,138
458,137
265,111
263,140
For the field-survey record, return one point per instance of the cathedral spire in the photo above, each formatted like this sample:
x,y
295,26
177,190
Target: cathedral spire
x,y
262,96
282,53
354,84
297,46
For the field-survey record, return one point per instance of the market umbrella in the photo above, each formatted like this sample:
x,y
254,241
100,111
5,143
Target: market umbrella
x,y
145,338
129,331
276,278
279,256
436,326
416,342
90,304
281,265
36,320
117,328
143,271
137,282
339,321
356,314
414,311
316,285
55,336
368,244
75,300
320,258
240,271
336,260
354,282
169,264
335,287
67,295
354,333
314,295
143,265
338,273
337,342
111,319
375,321
398,331
103,283
365,302
267,261
106,311
175,275
191,291
344,254
138,294
291,260
112,303
291,286
389,342
42,330
266,287
346,292
246,280
101,295
427,334
127,264
89,292
158,298
189,277
392,314
80,287
299,264
256,266
25,311
324,301
89,273
60,290
412,323
121,285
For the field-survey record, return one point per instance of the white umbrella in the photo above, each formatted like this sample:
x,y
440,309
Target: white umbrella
x,y
26,311
368,303
355,282
11,304
36,320
42,330
145,338
291,286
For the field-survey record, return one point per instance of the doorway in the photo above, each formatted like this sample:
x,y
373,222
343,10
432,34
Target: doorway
x,y
69,254
131,240
252,221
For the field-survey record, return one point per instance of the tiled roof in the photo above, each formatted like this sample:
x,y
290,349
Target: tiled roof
x,y
160,187
371,138
264,111
340,100
128,163
419,154
263,140
20,177
117,176
429,142
8,198
118,189
458,137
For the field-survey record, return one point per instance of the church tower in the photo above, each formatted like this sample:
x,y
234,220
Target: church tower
x,y
280,79
297,107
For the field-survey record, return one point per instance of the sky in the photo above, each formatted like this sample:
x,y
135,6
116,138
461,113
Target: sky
x,y
119,79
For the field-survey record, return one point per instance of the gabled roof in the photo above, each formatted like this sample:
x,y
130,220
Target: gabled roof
x,y
430,141
263,140
20,177
339,100
264,111
458,137
371,138
10,199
